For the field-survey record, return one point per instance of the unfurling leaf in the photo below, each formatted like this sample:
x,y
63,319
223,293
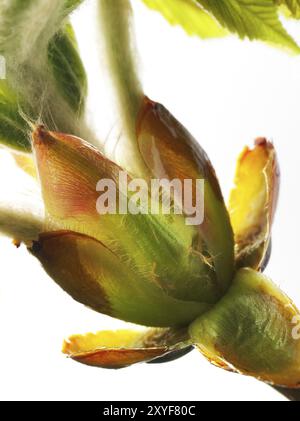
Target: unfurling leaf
x,y
43,68
68,69
189,15
252,330
14,131
121,348
252,19
253,203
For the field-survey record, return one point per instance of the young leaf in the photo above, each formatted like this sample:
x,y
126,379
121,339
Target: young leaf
x,y
14,130
293,7
71,5
51,92
189,15
252,19
67,68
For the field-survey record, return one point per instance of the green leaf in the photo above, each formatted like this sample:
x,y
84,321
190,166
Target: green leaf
x,y
291,7
71,5
189,15
66,72
14,130
53,93
68,69
251,19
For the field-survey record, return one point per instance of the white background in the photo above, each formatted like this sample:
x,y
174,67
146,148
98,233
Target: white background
x,y
226,92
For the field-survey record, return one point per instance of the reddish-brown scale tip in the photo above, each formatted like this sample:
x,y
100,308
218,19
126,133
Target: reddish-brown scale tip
x,y
40,135
17,243
260,141
148,102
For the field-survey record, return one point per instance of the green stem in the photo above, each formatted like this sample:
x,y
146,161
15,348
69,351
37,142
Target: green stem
x,y
115,19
